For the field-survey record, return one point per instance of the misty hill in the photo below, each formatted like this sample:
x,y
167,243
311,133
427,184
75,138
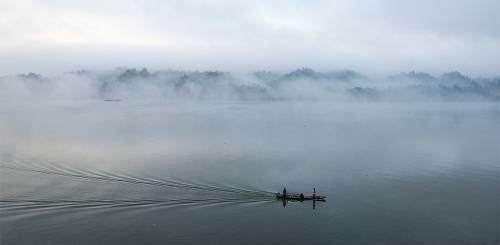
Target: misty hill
x,y
304,83
31,76
413,76
455,78
310,74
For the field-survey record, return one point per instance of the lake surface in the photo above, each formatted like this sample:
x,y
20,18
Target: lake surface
x,y
171,172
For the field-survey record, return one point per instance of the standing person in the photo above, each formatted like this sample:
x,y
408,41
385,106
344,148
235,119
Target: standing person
x,y
284,192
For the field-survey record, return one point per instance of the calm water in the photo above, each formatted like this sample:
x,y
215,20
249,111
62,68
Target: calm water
x,y
130,172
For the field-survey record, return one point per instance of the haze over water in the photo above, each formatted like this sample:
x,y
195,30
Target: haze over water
x,y
177,122
156,172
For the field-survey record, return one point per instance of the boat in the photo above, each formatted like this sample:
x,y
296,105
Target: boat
x,y
299,197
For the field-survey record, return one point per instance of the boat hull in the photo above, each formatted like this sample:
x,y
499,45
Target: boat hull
x,y
299,198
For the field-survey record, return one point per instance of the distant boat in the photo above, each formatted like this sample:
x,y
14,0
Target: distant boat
x,y
112,100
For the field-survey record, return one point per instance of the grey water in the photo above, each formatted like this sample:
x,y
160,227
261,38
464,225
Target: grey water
x,y
151,172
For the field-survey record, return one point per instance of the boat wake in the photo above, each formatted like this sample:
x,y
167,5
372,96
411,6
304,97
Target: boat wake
x,y
206,194
27,204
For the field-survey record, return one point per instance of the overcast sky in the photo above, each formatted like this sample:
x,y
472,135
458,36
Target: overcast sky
x,y
372,36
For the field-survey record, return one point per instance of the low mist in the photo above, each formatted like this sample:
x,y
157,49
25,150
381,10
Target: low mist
x,y
301,84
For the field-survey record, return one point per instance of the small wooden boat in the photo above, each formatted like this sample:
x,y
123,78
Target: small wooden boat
x,y
299,197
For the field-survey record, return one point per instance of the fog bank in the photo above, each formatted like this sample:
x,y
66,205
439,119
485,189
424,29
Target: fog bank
x,y
301,84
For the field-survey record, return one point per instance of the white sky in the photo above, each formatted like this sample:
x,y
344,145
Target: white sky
x,y
371,36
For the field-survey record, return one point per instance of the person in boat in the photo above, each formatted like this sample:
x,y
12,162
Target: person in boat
x,y
284,192
301,195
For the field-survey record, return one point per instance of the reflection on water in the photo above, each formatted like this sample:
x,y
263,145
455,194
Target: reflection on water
x,y
156,173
